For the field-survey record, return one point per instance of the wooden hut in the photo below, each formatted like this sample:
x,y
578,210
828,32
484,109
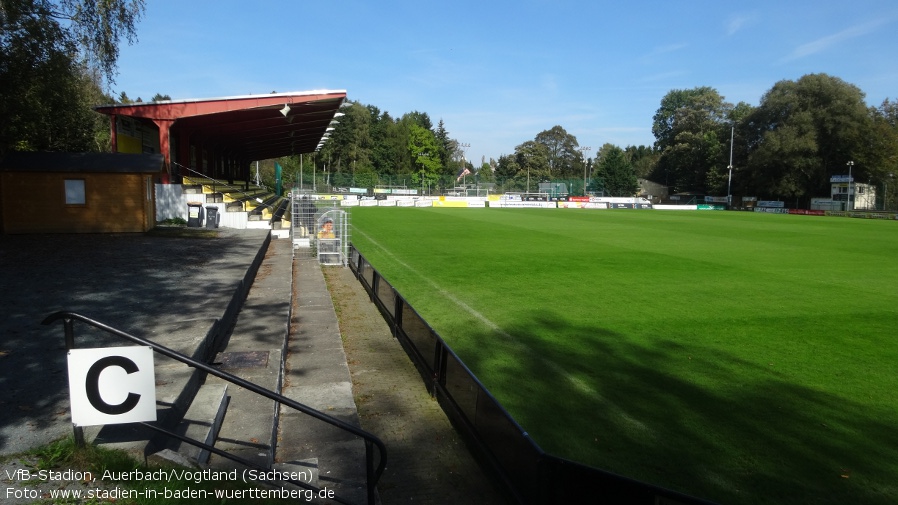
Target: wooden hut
x,y
78,192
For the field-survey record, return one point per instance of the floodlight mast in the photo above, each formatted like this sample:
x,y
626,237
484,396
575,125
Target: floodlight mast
x,y
585,166
730,179
848,196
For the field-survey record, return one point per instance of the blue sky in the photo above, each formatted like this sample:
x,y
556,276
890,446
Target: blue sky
x,y
498,73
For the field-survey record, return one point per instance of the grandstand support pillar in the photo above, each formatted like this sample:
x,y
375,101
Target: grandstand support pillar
x,y
113,133
183,153
165,146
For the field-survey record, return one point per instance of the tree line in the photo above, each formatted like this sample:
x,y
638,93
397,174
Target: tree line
x,y
57,58
370,148
786,148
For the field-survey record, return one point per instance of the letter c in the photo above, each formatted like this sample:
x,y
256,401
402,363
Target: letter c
x,y
92,384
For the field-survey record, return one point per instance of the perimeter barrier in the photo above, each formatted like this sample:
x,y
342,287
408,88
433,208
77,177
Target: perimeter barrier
x,y
527,473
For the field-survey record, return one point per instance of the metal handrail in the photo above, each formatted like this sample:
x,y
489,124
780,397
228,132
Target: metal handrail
x,y
225,454
372,474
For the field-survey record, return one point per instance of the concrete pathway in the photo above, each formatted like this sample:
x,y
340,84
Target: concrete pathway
x,y
317,375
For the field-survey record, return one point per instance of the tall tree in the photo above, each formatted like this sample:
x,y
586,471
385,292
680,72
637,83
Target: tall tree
x,y
454,162
616,172
55,56
561,152
348,145
506,169
485,172
379,153
533,158
424,152
805,131
691,127
421,119
386,141
445,143
98,27
883,144
643,158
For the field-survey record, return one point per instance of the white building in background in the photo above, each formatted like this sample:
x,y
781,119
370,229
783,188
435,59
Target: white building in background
x,y
862,196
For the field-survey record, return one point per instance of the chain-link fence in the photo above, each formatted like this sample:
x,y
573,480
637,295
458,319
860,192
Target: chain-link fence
x,y
469,185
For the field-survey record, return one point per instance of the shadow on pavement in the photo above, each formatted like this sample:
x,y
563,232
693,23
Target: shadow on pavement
x,y
139,283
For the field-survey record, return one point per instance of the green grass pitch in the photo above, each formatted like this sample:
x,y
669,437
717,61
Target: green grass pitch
x,y
739,357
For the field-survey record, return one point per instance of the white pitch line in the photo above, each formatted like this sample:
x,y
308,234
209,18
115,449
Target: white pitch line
x,y
578,383
467,308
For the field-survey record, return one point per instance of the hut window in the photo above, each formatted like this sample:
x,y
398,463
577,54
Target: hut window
x,y
74,192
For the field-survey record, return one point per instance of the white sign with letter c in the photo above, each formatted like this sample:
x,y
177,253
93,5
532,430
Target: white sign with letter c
x,y
112,385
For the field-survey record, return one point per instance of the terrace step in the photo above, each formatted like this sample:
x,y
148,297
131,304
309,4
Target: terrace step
x,y
248,428
254,352
306,471
258,213
277,219
202,421
242,195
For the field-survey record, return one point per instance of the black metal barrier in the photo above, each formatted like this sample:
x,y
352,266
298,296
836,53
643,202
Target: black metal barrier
x,y
373,473
527,473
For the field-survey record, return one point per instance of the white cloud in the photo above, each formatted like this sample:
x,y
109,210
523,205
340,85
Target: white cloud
x,y
661,52
825,43
661,77
737,22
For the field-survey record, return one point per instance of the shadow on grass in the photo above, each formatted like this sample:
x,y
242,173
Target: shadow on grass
x,y
699,421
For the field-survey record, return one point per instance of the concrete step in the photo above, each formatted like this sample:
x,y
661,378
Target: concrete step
x,y
248,428
202,422
253,427
254,352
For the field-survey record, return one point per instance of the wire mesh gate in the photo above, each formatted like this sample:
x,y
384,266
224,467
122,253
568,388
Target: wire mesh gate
x,y
320,230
